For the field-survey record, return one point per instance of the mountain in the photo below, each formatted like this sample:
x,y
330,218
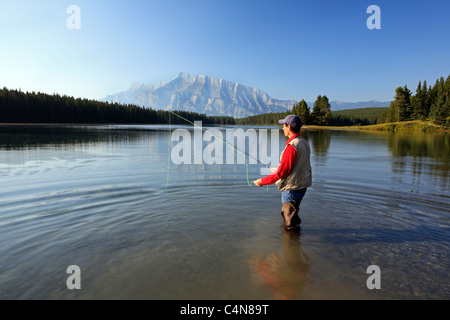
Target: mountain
x,y
202,94
211,96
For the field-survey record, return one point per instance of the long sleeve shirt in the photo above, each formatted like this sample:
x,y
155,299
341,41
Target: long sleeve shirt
x,y
285,167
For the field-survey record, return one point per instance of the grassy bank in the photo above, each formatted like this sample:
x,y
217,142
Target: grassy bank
x,y
404,126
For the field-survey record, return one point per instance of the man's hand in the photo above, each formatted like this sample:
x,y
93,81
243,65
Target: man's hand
x,y
258,182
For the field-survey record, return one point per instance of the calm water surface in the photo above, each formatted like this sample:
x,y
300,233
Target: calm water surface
x,y
109,200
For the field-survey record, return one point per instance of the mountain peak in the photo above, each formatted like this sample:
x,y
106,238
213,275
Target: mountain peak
x,y
135,85
215,97
202,94
183,75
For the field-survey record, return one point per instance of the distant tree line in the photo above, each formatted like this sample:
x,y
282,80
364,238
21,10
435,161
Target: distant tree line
x,y
265,119
319,115
358,117
31,107
350,117
431,103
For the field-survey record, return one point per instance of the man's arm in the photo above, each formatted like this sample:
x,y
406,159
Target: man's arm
x,y
284,169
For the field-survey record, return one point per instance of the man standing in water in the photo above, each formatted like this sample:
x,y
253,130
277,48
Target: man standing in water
x,y
293,175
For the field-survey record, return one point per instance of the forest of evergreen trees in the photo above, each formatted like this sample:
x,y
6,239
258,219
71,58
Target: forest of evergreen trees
x,y
358,117
31,107
320,114
350,117
429,103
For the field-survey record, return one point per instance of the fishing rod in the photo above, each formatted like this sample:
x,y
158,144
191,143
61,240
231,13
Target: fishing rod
x,y
237,149
232,145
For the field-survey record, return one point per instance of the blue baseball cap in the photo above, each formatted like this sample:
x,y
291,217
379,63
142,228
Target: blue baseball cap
x,y
292,120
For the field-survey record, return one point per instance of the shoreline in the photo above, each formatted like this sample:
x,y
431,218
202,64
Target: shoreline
x,y
405,126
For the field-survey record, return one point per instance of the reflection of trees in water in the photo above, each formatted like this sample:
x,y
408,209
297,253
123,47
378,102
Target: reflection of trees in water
x,y
16,137
285,273
320,143
429,152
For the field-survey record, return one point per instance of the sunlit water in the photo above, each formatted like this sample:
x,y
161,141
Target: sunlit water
x,y
110,200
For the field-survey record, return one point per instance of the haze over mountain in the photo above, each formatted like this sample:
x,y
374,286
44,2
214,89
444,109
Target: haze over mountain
x,y
216,97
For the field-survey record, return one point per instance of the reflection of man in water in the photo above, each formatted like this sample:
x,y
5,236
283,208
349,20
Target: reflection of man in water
x,y
293,175
285,273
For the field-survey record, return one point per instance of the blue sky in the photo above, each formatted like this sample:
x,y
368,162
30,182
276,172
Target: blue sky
x,y
289,49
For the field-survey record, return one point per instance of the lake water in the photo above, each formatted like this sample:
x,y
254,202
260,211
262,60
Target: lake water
x,y
110,200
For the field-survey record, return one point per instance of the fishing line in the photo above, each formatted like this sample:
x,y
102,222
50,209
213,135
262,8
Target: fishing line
x,y
168,152
236,148
217,137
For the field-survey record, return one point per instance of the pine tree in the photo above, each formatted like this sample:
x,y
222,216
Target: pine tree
x,y
321,114
420,102
403,103
315,115
440,108
392,114
303,111
426,107
432,96
296,109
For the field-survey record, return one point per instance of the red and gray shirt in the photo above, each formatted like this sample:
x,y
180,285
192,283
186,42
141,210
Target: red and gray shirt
x,y
294,171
